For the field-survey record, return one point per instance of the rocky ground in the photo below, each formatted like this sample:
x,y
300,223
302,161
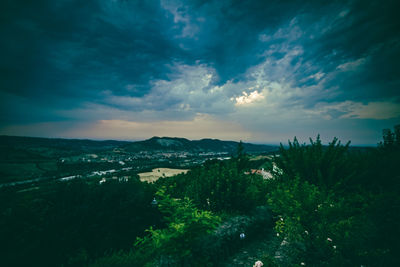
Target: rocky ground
x,y
262,249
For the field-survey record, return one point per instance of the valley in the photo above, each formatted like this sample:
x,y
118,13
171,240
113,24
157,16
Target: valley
x,y
27,161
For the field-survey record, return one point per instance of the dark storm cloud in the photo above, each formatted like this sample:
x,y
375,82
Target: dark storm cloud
x,y
229,35
368,31
54,49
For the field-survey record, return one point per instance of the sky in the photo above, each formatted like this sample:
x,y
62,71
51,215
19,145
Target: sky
x,y
257,71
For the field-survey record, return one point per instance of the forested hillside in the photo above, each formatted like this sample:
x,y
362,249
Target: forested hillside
x,y
204,145
320,205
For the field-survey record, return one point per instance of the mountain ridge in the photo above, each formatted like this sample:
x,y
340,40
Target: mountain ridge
x,y
164,143
154,143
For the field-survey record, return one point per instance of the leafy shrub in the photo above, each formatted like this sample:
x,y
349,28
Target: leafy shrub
x,y
172,245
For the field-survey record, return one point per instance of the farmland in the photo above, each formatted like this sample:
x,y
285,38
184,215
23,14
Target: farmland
x,y
157,173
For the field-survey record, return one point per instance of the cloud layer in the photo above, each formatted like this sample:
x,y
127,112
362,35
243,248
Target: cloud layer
x,y
265,70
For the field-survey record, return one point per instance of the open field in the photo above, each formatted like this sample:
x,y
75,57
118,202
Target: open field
x,y
260,157
155,174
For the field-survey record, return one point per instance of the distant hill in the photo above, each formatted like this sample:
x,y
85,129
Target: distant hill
x,y
15,148
60,145
203,145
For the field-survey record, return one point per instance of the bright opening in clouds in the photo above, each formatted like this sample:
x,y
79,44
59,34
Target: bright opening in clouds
x,y
249,98
261,71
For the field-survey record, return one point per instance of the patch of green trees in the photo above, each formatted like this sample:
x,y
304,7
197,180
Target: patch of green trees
x,y
72,223
219,186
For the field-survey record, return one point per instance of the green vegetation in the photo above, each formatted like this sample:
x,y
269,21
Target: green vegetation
x,y
173,244
334,207
72,223
325,206
219,186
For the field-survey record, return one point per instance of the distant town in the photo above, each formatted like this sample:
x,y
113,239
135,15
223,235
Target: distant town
x,y
27,161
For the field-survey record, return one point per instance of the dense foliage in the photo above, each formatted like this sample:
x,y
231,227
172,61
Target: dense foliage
x,y
220,186
174,244
325,166
72,223
335,207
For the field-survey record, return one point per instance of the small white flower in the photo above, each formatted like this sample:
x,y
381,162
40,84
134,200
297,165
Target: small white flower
x,y
306,232
334,247
281,219
330,240
302,264
277,234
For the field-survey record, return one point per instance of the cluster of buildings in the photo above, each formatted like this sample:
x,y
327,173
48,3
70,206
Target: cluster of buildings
x,y
265,174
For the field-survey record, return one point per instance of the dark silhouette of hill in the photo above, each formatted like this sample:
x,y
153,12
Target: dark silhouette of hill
x,y
17,148
58,143
204,145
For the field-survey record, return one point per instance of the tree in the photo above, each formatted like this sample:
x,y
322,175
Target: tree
x,y
241,157
397,134
388,138
315,163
